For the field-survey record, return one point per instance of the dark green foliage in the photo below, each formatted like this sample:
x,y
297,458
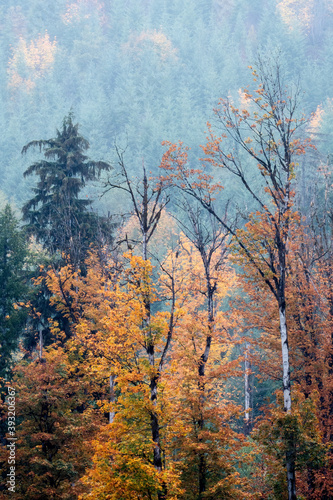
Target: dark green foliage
x,y
140,73
13,286
295,435
57,216
40,312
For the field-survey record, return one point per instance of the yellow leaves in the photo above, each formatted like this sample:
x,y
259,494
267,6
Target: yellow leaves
x,y
114,327
157,40
316,120
36,58
82,10
297,12
292,174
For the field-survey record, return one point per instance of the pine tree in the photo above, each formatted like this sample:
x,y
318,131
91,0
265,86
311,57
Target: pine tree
x,y
57,216
13,254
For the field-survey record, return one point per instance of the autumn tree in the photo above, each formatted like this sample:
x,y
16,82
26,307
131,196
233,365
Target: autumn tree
x,y
192,413
266,132
148,204
201,363
56,419
310,298
109,311
210,243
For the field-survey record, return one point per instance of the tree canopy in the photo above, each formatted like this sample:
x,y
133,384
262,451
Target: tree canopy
x,y
58,216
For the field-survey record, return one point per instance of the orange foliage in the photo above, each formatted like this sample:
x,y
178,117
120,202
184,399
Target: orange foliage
x,y
310,323
109,307
54,396
201,410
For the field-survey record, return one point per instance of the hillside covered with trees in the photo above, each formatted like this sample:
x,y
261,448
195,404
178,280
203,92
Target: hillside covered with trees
x,y
166,303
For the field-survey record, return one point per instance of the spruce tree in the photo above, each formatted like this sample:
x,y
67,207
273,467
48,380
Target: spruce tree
x,y
61,220
13,287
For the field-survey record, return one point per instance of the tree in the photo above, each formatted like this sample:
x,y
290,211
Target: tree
x,y
146,199
148,206
209,242
57,216
266,132
109,319
13,286
200,366
57,420
108,305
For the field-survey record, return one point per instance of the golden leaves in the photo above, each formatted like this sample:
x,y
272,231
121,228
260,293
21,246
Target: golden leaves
x,y
83,10
154,39
297,12
31,61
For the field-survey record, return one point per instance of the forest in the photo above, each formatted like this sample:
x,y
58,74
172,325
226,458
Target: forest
x,y
166,256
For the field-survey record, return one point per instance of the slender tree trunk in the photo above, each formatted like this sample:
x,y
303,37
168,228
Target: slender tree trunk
x,y
290,453
112,397
150,349
281,238
40,342
285,361
201,372
247,390
155,431
202,475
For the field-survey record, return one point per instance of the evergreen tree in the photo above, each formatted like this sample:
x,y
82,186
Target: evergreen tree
x,y
13,256
57,216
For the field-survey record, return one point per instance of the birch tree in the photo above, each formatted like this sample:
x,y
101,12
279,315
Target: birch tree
x,y
263,135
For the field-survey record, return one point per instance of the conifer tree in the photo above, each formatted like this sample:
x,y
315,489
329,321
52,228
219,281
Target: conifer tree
x,y
57,216
13,254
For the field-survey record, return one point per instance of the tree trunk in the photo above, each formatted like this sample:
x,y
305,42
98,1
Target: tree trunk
x,y
201,373
155,430
247,391
112,397
285,361
40,342
290,454
291,480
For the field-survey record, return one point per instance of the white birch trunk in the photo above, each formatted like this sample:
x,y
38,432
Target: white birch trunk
x,y
285,361
290,458
247,388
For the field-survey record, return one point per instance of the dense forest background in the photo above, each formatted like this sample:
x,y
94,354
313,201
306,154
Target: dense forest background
x,y
137,73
